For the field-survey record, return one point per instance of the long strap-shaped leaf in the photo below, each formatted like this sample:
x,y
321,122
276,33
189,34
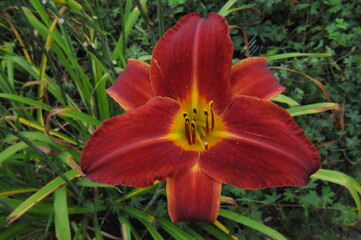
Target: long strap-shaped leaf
x,y
313,108
61,218
296,54
252,224
343,179
40,195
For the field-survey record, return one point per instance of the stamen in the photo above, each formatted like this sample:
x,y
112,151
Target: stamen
x,y
207,124
194,133
195,114
211,104
186,129
206,145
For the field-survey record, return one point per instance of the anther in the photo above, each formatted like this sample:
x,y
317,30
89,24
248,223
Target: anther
x,y
194,133
186,129
211,105
185,114
206,145
207,124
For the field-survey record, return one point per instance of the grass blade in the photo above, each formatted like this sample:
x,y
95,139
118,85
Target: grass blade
x,y
78,115
15,231
125,227
48,209
13,191
41,128
61,217
284,99
252,224
25,100
224,11
343,179
40,195
173,229
8,152
152,230
218,234
313,108
292,55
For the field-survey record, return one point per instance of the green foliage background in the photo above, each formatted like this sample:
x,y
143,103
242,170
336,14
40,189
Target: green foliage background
x,y
87,52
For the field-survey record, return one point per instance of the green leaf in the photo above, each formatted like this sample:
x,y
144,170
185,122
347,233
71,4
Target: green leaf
x,y
225,9
125,227
313,108
48,209
61,217
15,230
218,234
84,182
39,7
78,115
8,152
42,128
152,230
292,55
136,192
129,22
252,224
17,190
40,195
284,99
343,179
25,100
98,235
172,229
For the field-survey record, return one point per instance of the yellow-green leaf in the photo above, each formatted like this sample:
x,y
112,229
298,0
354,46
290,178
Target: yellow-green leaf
x,y
313,108
40,195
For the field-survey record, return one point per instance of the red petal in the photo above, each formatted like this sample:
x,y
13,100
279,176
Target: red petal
x,y
132,88
194,59
134,148
193,196
264,147
252,77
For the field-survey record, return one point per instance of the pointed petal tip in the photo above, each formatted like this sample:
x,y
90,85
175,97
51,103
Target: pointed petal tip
x,y
193,196
252,77
132,88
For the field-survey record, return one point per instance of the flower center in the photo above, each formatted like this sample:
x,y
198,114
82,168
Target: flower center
x,y
196,127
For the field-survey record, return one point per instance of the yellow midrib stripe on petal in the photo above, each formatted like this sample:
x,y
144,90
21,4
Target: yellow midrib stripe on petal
x,y
195,56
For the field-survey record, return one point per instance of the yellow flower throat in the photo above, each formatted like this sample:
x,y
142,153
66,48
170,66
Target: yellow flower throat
x,y
195,128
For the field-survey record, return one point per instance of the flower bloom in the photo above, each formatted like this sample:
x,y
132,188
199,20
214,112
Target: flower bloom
x,y
197,121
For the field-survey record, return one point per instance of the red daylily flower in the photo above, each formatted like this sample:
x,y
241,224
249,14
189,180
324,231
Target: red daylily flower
x,y
197,121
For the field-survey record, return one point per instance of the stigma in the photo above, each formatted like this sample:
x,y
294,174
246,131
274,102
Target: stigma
x,y
198,125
